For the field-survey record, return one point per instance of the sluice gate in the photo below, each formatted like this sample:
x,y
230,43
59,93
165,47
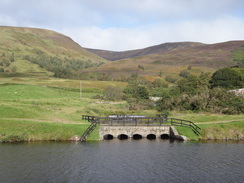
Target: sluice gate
x,y
136,127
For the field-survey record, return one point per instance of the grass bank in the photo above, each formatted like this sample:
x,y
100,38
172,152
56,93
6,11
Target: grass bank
x,y
216,131
17,131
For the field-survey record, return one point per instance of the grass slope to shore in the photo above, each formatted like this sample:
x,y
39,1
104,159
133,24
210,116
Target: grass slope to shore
x,y
34,109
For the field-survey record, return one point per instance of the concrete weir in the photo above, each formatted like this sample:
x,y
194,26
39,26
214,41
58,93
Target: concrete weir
x,y
138,132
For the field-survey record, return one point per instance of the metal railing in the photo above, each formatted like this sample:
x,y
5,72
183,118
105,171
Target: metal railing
x,y
89,129
185,123
142,121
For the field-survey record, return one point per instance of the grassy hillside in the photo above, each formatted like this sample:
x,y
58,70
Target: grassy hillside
x,y
50,109
29,50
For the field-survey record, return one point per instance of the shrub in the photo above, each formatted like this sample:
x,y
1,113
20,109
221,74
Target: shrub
x,y
228,78
184,73
170,79
113,93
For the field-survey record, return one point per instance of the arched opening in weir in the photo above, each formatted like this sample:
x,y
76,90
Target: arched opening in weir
x,y
123,137
165,136
151,137
108,137
137,137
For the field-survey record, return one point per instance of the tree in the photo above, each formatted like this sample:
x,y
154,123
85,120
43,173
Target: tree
x,y
142,92
228,78
141,67
139,92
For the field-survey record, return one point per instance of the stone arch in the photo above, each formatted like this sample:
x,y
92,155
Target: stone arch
x,y
108,137
137,137
165,136
151,137
123,137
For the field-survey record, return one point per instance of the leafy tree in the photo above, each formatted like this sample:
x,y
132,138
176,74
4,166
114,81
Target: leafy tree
x,y
194,84
142,92
167,101
228,78
136,91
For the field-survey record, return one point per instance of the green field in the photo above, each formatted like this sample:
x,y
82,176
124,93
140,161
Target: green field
x,y
34,109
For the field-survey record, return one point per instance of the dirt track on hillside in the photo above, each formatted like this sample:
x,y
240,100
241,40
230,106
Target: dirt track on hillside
x,y
216,122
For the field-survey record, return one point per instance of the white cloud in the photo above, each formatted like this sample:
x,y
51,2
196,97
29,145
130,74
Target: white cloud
x,y
117,39
125,25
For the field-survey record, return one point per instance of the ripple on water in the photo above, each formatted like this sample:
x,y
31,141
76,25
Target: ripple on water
x,y
122,161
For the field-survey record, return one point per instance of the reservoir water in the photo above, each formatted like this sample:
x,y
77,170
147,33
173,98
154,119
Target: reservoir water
x,y
124,161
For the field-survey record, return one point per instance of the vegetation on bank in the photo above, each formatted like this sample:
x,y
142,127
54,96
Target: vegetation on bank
x,y
216,131
12,130
198,93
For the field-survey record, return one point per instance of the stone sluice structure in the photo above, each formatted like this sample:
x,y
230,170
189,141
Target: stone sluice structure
x,y
134,132
137,127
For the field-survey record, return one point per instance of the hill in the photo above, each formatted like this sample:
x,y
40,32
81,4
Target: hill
x,y
158,49
31,50
172,58
40,52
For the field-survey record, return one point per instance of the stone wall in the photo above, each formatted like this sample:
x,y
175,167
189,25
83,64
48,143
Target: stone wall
x,y
115,131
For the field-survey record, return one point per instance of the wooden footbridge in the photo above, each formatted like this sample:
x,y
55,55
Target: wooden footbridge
x,y
125,121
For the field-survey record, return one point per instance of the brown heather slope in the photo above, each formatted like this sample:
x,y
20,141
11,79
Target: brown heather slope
x,y
158,49
173,58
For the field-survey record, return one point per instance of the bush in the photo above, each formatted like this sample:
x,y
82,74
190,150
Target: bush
x,y
139,92
14,69
184,74
170,79
137,105
113,93
228,78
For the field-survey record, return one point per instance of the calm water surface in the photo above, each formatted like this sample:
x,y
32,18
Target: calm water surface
x,y
122,161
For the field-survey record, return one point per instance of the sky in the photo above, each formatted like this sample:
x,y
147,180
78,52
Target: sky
x,y
120,25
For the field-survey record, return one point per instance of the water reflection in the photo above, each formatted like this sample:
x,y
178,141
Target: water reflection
x,y
122,161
